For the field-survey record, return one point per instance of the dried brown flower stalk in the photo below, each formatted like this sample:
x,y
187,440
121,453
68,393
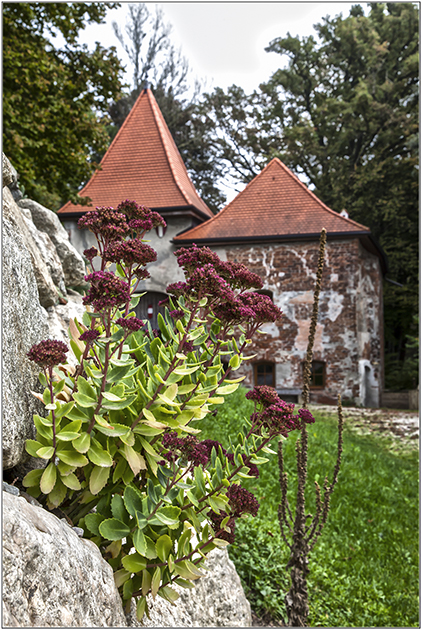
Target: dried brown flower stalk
x,y
299,537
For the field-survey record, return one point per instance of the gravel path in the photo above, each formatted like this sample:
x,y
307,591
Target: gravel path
x,y
399,426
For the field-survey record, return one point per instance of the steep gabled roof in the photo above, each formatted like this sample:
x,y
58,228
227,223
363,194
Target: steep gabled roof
x,y
275,204
142,164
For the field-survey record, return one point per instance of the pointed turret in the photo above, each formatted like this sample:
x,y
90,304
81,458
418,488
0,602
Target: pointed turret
x,y
143,164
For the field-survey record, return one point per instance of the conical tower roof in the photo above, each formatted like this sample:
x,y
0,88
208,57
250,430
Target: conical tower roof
x,y
274,204
142,164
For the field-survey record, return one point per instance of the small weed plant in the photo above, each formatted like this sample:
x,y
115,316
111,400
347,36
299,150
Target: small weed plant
x,y
123,460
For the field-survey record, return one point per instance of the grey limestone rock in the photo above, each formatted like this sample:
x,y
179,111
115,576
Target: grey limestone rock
x,y
51,577
217,601
24,324
12,216
47,221
48,252
9,173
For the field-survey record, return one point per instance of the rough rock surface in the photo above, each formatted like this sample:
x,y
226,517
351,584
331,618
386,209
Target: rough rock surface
x,y
12,214
8,171
24,324
51,577
47,221
48,252
217,601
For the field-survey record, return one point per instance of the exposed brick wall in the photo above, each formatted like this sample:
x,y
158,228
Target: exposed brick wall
x,y
349,330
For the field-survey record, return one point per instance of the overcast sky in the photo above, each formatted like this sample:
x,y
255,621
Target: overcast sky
x,y
224,41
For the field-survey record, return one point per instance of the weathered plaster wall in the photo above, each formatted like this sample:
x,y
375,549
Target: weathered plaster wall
x,y
164,271
349,334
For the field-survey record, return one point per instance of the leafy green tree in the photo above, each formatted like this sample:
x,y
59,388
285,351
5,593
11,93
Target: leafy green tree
x,y
55,100
344,113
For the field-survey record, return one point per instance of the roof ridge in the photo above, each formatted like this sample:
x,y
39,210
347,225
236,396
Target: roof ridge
x,y
321,203
162,128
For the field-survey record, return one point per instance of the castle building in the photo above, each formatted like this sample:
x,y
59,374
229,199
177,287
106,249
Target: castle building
x,y
273,227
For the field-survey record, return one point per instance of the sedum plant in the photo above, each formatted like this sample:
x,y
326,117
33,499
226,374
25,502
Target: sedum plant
x,y
123,456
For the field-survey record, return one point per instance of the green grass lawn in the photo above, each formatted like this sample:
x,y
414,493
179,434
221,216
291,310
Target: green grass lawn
x,y
364,569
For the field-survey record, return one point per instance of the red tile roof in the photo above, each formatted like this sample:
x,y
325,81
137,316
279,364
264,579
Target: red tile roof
x,y
274,204
143,164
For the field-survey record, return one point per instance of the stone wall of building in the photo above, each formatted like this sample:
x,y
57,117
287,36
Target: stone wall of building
x,y
349,330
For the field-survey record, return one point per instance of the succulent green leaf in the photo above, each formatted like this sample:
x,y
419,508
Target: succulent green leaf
x,y
141,608
125,402
128,437
82,443
46,452
139,542
32,446
134,459
71,481
134,562
133,500
32,478
57,494
72,458
84,401
169,516
156,581
120,577
67,436
164,545
85,388
48,478
227,389
113,529
63,410
93,521
99,457
118,508
146,581
199,479
98,479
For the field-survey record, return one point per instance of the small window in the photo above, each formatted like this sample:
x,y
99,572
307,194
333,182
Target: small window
x,y
317,380
264,373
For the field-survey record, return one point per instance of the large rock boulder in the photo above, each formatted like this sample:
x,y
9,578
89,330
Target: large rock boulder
x,y
12,215
24,324
217,601
48,252
47,221
51,577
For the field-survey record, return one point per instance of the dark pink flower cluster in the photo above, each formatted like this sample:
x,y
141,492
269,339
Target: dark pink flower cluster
x,y
177,288
89,336
91,253
277,415
48,353
188,447
216,520
237,275
131,323
205,281
263,395
242,501
306,416
248,307
132,251
279,418
106,291
105,222
141,218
